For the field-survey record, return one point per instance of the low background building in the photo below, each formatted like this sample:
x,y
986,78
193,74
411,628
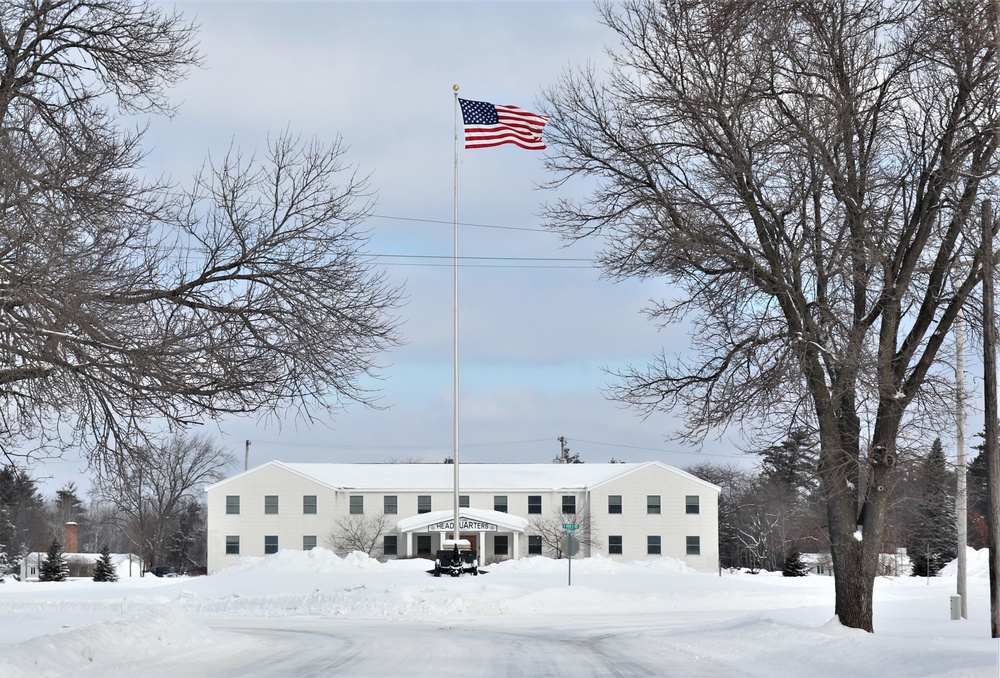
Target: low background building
x,y
80,565
624,511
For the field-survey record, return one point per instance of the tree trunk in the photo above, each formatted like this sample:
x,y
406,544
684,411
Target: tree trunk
x,y
854,573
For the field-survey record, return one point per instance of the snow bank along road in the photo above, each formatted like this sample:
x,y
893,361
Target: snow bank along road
x,y
314,614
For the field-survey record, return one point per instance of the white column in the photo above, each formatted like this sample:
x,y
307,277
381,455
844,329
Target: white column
x,y
517,550
408,549
481,556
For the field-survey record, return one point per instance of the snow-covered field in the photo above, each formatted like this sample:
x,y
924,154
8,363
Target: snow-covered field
x,y
314,614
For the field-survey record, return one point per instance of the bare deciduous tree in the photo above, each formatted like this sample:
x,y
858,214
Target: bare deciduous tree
x,y
123,299
150,491
802,175
358,532
550,529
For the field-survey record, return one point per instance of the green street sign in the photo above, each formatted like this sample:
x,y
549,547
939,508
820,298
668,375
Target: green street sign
x,y
571,527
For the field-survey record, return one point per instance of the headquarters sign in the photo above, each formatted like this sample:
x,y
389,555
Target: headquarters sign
x,y
464,525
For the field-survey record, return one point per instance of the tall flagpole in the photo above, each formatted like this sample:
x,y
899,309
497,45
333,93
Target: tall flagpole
x,y
455,531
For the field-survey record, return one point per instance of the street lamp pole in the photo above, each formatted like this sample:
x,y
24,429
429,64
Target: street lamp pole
x,y
961,490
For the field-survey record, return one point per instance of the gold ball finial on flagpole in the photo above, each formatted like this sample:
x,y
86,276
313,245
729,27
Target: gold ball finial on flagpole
x,y
455,87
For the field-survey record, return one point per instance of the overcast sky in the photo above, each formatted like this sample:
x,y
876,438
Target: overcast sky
x,y
537,337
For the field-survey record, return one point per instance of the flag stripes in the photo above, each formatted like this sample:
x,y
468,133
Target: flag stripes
x,y
488,125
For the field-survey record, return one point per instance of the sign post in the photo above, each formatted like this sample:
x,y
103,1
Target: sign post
x,y
571,546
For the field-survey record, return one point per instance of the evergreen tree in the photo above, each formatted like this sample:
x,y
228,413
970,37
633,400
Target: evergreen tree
x,y
792,464
104,569
933,534
23,522
186,545
794,567
976,481
54,568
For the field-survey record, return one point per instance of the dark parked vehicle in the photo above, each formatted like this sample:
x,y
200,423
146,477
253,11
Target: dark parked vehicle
x,y
163,571
455,557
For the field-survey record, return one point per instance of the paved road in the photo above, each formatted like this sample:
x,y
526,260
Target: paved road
x,y
483,648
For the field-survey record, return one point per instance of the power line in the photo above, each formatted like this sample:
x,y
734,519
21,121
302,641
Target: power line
x,y
447,260
461,223
477,258
447,446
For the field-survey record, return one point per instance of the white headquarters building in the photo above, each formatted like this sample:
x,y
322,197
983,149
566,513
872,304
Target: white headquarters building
x,y
626,512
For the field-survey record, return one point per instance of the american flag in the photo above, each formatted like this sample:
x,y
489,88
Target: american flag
x,y
489,125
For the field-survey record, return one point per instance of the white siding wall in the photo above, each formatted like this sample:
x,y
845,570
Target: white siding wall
x,y
252,525
673,525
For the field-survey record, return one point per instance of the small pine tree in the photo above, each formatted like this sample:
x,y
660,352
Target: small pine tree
x,y
933,541
794,567
4,564
55,567
104,569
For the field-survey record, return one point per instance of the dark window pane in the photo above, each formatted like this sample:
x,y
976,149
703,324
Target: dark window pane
x,y
568,503
615,503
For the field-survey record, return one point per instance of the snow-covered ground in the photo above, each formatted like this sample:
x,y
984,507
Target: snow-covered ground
x,y
312,613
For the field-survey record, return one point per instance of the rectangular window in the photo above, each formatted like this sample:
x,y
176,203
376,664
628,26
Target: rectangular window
x,y
232,504
463,501
691,504
390,546
271,504
535,504
270,544
309,542
653,545
534,544
693,546
500,545
614,503
423,544
390,504
309,504
615,545
652,503
233,545
424,505
357,504
500,503
568,503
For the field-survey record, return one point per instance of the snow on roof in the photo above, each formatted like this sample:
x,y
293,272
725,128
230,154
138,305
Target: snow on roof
x,y
86,557
473,477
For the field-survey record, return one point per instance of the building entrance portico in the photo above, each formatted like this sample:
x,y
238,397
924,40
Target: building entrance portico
x,y
474,525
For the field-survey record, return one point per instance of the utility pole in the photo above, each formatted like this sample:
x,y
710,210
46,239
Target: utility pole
x,y
563,457
246,457
991,427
